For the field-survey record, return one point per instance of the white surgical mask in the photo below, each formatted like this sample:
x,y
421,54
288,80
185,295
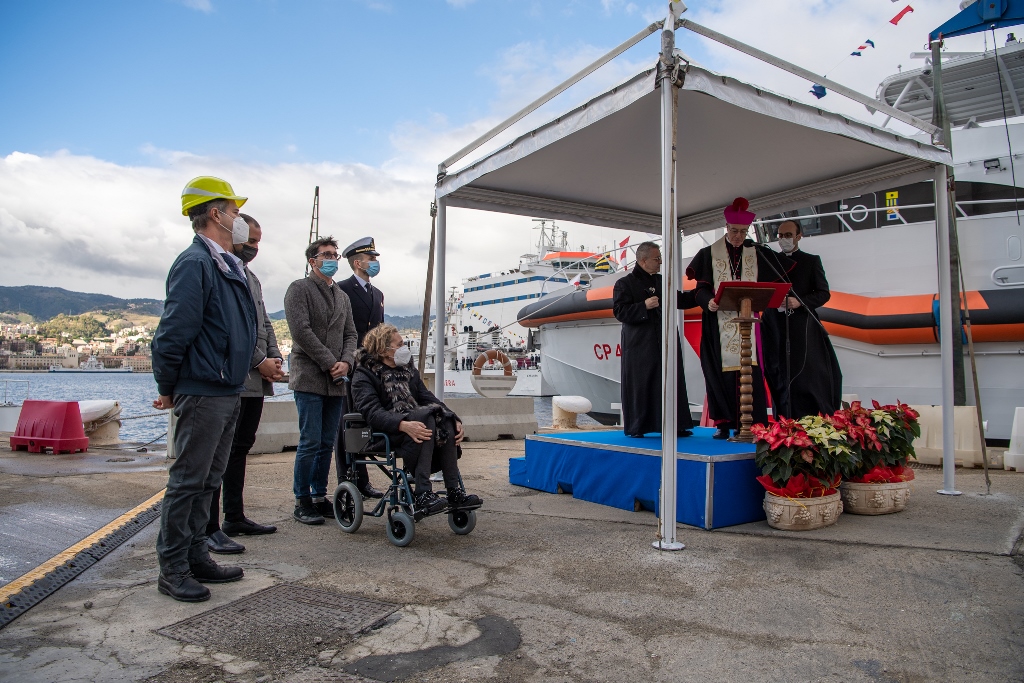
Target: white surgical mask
x,y
787,244
403,356
239,230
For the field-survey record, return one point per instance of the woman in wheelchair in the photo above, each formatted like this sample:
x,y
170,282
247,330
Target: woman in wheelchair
x,y
389,393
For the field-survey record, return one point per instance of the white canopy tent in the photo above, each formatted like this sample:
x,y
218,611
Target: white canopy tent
x,y
599,164
609,163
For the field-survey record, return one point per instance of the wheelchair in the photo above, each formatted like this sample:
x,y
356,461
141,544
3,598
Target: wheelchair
x,y
363,446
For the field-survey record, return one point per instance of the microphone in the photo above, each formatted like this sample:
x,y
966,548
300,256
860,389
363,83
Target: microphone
x,y
792,292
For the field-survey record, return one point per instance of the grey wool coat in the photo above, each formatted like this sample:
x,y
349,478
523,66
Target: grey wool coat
x,y
323,333
266,342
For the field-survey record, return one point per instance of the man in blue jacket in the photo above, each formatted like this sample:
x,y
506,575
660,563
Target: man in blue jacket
x,y
201,355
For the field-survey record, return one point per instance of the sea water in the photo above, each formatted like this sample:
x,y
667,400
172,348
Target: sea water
x,y
136,391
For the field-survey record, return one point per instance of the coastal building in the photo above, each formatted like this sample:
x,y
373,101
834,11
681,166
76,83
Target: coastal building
x,y
17,330
12,346
34,361
136,363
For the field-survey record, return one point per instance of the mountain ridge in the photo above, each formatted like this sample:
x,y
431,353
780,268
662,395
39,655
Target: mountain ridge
x,y
44,303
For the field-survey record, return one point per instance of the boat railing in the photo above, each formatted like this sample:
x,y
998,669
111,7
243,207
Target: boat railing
x,y
631,248
586,265
6,401
861,209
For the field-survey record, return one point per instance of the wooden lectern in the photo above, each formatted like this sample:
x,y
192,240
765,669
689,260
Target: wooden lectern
x,y
748,298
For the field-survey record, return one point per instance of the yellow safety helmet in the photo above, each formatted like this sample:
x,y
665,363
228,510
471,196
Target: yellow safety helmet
x,y
206,188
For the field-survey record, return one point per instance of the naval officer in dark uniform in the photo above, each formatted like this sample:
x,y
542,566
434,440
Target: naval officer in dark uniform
x,y
367,313
367,300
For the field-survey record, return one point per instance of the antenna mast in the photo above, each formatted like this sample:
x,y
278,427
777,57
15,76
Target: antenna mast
x,y
314,223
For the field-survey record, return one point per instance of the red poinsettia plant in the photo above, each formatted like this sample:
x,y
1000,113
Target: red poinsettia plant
x,y
883,440
798,458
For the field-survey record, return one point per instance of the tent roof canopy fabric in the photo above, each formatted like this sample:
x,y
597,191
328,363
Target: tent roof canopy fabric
x,y
600,163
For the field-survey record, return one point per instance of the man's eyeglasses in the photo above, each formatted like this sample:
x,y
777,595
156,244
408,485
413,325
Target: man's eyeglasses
x,y
330,256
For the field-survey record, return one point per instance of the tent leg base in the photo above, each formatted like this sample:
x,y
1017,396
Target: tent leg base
x,y
665,545
948,493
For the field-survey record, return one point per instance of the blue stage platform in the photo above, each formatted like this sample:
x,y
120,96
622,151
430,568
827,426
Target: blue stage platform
x,y
716,479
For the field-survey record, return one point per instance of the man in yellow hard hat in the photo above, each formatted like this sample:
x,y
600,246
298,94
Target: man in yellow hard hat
x,y
201,357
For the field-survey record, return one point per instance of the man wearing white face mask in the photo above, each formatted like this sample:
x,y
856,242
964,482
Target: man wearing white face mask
x,y
367,300
319,317
806,380
201,357
367,312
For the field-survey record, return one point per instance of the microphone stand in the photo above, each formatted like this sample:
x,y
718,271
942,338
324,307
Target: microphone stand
x,y
789,380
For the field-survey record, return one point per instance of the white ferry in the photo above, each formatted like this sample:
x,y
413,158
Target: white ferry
x,y
91,365
484,315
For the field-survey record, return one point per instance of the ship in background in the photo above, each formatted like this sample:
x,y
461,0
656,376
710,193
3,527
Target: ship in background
x,y
878,251
484,315
91,365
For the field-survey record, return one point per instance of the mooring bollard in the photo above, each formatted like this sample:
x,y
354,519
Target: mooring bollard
x,y
564,410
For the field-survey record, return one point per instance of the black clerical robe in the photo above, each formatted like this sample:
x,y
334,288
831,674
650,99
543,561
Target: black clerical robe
x,y
723,385
816,381
641,354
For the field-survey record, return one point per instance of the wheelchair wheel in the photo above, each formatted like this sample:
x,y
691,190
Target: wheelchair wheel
x,y
401,528
348,507
462,521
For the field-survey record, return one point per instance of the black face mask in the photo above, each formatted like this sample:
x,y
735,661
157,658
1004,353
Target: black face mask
x,y
248,253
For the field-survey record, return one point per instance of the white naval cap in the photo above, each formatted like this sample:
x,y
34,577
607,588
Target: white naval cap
x,y
360,246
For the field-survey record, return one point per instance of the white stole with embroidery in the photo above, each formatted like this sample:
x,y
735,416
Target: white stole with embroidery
x,y
729,332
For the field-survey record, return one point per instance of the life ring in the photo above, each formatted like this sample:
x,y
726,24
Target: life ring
x,y
489,356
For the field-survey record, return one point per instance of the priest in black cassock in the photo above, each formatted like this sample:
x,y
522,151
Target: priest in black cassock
x,y
814,383
637,305
731,258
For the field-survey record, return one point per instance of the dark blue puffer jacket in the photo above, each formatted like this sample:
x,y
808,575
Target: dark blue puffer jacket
x,y
204,343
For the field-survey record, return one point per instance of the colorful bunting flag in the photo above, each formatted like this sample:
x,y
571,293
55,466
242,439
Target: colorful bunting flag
x,y
622,244
855,54
818,91
869,42
904,12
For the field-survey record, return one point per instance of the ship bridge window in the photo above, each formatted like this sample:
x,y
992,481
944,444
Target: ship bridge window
x,y
882,209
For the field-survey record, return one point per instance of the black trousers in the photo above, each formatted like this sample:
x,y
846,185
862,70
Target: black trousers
x,y
234,476
423,458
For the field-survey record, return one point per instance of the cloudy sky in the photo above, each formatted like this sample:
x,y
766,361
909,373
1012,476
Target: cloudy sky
x,y
109,107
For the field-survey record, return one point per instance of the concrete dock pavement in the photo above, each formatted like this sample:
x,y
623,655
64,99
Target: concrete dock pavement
x,y
546,588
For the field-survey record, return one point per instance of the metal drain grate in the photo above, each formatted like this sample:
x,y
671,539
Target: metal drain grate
x,y
274,617
320,675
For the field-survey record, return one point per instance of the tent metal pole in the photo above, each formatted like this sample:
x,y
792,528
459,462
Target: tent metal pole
x,y
440,324
425,323
947,314
944,138
670,283
872,104
548,96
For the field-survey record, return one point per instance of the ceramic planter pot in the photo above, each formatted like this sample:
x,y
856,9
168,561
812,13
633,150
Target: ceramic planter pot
x,y
875,499
802,514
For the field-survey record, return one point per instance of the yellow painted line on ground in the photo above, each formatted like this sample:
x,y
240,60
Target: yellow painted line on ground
x,y
45,568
